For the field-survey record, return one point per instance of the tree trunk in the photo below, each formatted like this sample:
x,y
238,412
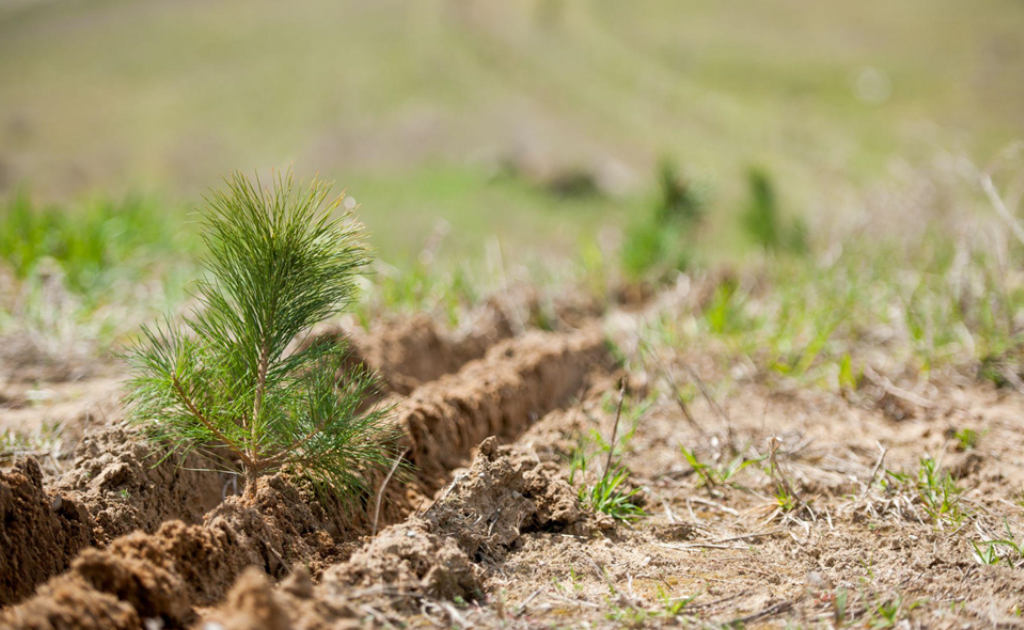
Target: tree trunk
x,y
249,495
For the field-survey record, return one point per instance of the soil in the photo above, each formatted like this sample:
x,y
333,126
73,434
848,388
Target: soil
x,y
41,532
486,530
127,484
505,493
409,351
500,395
284,527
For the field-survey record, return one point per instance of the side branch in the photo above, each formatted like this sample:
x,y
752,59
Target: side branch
x,y
187,401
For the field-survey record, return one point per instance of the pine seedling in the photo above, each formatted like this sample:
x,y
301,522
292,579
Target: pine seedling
x,y
232,378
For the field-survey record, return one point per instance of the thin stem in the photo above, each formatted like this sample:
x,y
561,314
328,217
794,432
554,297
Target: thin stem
x,y
997,202
683,407
615,427
712,403
261,384
380,492
251,478
187,401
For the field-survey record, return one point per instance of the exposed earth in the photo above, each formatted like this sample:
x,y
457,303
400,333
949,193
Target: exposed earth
x,y
892,504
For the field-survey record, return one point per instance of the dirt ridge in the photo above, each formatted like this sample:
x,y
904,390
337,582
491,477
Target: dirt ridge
x,y
40,531
507,492
124,486
500,394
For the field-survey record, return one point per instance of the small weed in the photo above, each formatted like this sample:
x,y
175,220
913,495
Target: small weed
x,y
712,475
762,220
890,612
725,314
679,200
787,502
663,241
992,552
886,614
848,379
608,497
126,494
967,439
938,491
985,553
840,607
627,616
575,589
673,606
868,564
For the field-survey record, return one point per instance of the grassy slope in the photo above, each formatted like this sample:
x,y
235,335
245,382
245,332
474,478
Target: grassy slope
x,y
400,101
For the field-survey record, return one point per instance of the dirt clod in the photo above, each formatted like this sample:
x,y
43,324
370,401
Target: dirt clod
x,y
66,604
410,557
279,527
125,485
152,591
254,605
40,532
504,494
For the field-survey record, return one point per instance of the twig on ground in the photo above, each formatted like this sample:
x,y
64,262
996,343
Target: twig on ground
x,y
578,602
719,506
771,611
716,602
668,511
712,403
522,606
747,536
893,390
874,471
698,546
383,486
676,394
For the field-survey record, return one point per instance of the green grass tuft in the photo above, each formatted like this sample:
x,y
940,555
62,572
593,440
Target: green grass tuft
x,y
94,243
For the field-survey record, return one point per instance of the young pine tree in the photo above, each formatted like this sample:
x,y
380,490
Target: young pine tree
x,y
231,378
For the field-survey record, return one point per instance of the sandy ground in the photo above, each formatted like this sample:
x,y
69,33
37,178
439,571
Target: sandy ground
x,y
896,505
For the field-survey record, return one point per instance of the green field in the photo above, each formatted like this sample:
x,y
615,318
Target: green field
x,y
414,106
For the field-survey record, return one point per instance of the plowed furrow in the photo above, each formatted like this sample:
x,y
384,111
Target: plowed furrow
x,y
117,484
165,574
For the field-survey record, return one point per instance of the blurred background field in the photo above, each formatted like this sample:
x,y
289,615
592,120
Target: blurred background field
x,y
535,121
818,167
